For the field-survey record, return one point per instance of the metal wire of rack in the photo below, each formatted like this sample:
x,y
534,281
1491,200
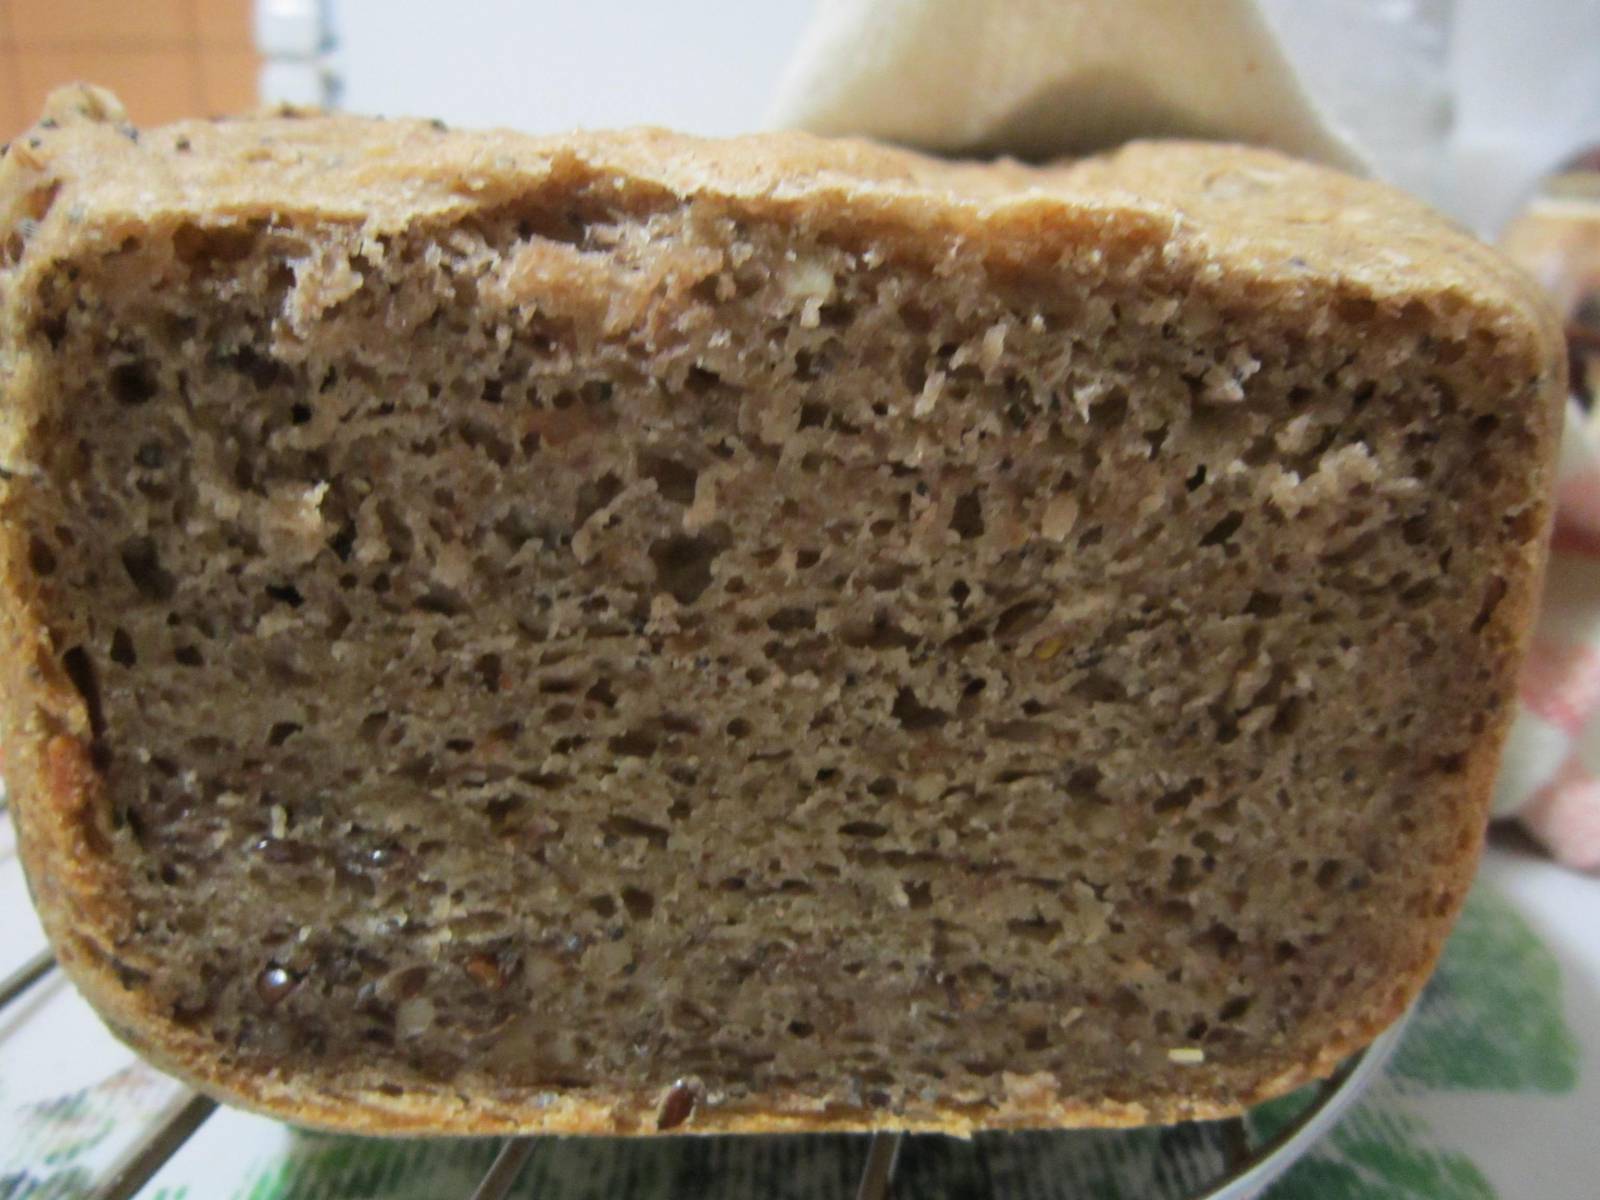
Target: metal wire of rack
x,y
1248,1168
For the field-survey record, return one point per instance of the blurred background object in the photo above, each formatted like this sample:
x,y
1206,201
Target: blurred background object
x,y
165,58
1557,238
1380,70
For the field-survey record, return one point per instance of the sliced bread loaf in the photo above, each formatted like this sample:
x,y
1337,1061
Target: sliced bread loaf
x,y
620,633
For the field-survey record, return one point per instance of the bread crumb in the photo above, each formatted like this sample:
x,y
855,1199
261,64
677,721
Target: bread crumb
x,y
413,1017
929,397
1060,515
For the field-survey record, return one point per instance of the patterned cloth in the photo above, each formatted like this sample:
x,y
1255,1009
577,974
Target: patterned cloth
x,y
1550,776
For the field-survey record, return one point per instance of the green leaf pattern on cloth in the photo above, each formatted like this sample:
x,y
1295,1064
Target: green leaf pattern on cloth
x,y
1490,1019
1378,1153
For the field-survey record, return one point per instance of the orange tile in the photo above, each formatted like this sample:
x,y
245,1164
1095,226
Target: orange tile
x,y
228,81
12,119
154,85
42,24
223,23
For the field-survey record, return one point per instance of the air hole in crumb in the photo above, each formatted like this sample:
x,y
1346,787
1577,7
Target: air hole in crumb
x,y
675,481
141,560
122,652
967,519
738,728
888,577
1034,929
1356,309
913,715
700,380
340,620
490,671
864,829
1263,604
604,905
807,558
1227,727
641,905
623,826
1493,594
636,743
1524,526
299,414
813,416
1223,530
282,732
442,601
1223,939
286,593
40,557
1020,619
372,725
188,656
792,620
601,693
482,437
800,1029
1100,688
133,383
683,565
1234,1009
343,542
595,494
1180,798
1085,781
1419,593
80,670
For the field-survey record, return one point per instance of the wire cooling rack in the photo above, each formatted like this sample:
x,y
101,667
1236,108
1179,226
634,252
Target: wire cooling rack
x,y
1247,1168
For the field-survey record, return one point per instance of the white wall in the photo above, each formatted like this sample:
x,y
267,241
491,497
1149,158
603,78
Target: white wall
x,y
704,66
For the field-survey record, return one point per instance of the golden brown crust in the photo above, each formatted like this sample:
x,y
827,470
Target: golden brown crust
x,y
87,177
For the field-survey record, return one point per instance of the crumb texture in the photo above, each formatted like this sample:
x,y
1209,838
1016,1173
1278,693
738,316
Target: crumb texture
x,y
719,659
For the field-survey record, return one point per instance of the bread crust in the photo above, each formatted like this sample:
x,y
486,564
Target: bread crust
x,y
1250,215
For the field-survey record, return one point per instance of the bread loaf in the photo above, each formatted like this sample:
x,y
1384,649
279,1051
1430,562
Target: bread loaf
x,y
621,632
